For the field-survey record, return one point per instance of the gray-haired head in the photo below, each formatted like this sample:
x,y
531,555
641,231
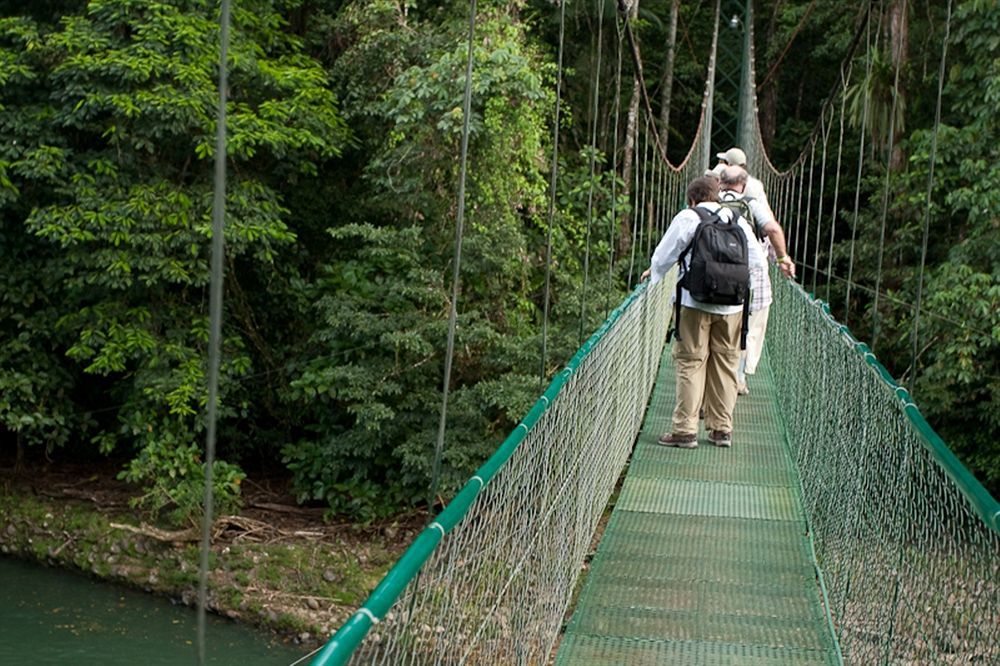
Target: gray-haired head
x,y
733,178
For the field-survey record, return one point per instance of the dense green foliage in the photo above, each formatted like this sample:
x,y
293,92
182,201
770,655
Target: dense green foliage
x,y
948,351
344,130
110,119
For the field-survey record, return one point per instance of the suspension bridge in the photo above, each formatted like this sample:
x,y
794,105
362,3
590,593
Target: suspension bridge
x,y
839,528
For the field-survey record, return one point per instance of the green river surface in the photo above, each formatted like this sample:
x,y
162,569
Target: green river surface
x,y
50,616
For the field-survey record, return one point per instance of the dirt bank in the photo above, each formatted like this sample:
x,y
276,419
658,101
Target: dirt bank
x,y
275,565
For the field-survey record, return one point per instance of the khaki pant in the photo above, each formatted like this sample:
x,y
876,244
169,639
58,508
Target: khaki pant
x,y
706,359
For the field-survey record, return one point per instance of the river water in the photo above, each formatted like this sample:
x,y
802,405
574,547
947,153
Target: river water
x,y
49,616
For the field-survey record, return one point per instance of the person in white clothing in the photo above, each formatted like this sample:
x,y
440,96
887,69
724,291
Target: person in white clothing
x,y
733,182
732,172
760,307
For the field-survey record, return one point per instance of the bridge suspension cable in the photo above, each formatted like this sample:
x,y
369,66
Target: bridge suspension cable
x,y
215,330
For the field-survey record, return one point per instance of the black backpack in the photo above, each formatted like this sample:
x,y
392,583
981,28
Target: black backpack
x,y
719,270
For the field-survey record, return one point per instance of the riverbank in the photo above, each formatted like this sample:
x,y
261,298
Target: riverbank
x,y
277,566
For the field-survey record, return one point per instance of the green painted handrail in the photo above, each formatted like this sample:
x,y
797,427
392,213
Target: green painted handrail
x,y
347,639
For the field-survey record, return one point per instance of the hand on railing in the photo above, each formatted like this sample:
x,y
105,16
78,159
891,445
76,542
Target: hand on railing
x,y
787,266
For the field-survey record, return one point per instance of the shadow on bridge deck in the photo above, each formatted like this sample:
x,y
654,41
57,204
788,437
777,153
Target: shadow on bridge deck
x,y
706,559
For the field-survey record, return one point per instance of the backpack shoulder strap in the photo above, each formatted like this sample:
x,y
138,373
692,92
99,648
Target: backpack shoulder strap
x,y
704,214
742,206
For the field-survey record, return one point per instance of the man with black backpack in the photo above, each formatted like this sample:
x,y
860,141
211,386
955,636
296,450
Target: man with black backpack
x,y
715,248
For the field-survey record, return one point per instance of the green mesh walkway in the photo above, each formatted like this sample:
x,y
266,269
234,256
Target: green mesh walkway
x,y
705,559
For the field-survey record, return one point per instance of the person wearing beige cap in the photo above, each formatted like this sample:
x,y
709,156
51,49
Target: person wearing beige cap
x,y
736,157
751,188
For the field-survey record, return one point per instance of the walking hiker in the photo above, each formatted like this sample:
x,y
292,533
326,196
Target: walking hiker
x,y
734,160
708,334
733,184
734,187
760,307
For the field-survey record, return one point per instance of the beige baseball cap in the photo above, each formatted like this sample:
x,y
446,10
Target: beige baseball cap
x,y
733,156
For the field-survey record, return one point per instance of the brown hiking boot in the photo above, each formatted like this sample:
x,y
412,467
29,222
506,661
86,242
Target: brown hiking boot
x,y
680,441
721,438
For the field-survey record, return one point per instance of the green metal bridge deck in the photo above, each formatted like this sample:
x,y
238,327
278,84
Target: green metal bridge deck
x,y
706,558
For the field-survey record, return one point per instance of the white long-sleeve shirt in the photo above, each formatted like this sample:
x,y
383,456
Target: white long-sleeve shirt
x,y
679,235
754,188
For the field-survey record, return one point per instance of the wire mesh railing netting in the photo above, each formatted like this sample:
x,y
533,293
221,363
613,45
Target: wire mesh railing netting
x,y
498,584
910,558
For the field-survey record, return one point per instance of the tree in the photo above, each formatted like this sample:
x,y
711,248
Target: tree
x,y
112,115
372,389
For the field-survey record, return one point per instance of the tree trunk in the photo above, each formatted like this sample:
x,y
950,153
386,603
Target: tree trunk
x,y
899,34
667,85
625,239
768,94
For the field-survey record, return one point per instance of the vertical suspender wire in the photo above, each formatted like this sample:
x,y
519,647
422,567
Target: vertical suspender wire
x,y
654,184
635,206
647,189
836,184
825,133
777,187
899,536
788,188
595,111
639,208
215,324
798,211
642,134
915,335
644,189
614,166
786,217
653,176
553,178
662,204
659,170
654,200
805,222
793,179
456,261
781,209
861,163
885,192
